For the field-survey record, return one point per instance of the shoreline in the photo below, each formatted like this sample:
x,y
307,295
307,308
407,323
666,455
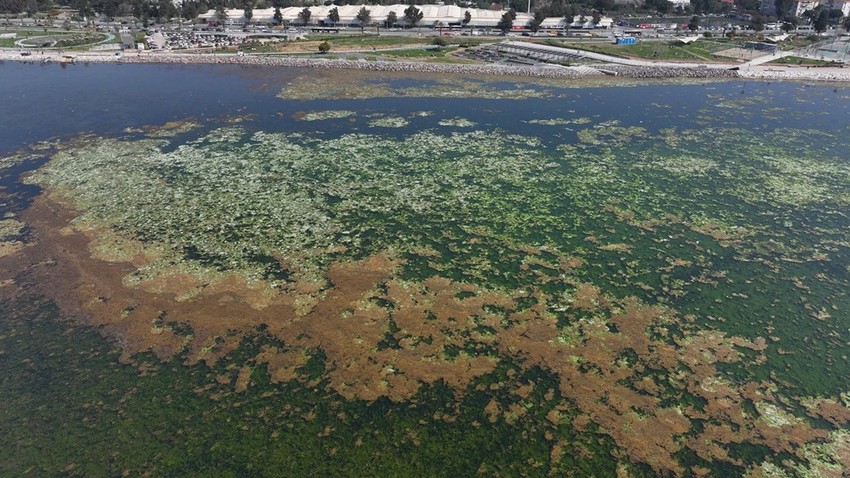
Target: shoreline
x,y
665,71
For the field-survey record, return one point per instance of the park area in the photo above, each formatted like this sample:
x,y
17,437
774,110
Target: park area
x,y
704,49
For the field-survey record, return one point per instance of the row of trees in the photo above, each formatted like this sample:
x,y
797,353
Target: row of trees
x,y
166,10
141,9
506,22
412,16
820,17
190,8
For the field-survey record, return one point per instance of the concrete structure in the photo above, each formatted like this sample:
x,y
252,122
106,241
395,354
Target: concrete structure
x,y
559,23
448,15
127,41
604,22
155,41
804,6
799,7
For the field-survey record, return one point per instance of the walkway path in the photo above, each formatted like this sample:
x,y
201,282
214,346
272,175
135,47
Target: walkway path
x,y
611,59
765,59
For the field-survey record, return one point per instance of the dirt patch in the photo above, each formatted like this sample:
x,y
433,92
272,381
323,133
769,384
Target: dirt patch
x,y
740,53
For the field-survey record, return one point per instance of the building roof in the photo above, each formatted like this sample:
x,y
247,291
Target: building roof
x,y
447,14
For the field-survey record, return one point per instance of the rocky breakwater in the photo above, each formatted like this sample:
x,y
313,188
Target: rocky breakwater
x,y
797,73
545,72
577,72
665,71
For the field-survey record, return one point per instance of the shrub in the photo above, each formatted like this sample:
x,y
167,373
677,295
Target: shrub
x,y
439,41
324,47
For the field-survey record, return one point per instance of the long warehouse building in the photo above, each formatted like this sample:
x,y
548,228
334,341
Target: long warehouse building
x,y
447,15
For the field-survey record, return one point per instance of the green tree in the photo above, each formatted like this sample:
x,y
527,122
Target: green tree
x,y
324,47
787,27
537,20
846,24
783,7
333,16
166,10
220,14
693,24
189,10
364,17
664,6
748,5
277,17
412,15
304,16
506,23
85,8
392,19
821,21
31,7
596,18
757,23
604,5
467,17
248,11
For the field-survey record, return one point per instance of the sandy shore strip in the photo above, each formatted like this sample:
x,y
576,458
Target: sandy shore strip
x,y
814,74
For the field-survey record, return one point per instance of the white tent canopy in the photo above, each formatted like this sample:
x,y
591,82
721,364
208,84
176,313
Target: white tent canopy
x,y
554,22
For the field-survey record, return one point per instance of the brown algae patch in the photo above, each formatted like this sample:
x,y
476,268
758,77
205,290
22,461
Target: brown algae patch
x,y
350,325
228,234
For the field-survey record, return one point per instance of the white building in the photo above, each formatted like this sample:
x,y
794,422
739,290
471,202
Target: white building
x,y
804,6
448,15
560,23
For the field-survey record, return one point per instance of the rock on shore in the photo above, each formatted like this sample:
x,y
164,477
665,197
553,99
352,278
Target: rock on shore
x,y
625,71
536,72
797,73
670,72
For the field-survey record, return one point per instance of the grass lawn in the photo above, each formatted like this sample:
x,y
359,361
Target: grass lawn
x,y
257,47
701,50
419,53
799,42
91,38
796,60
434,55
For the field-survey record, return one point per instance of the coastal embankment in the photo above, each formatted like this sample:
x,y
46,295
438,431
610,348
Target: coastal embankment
x,y
660,71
